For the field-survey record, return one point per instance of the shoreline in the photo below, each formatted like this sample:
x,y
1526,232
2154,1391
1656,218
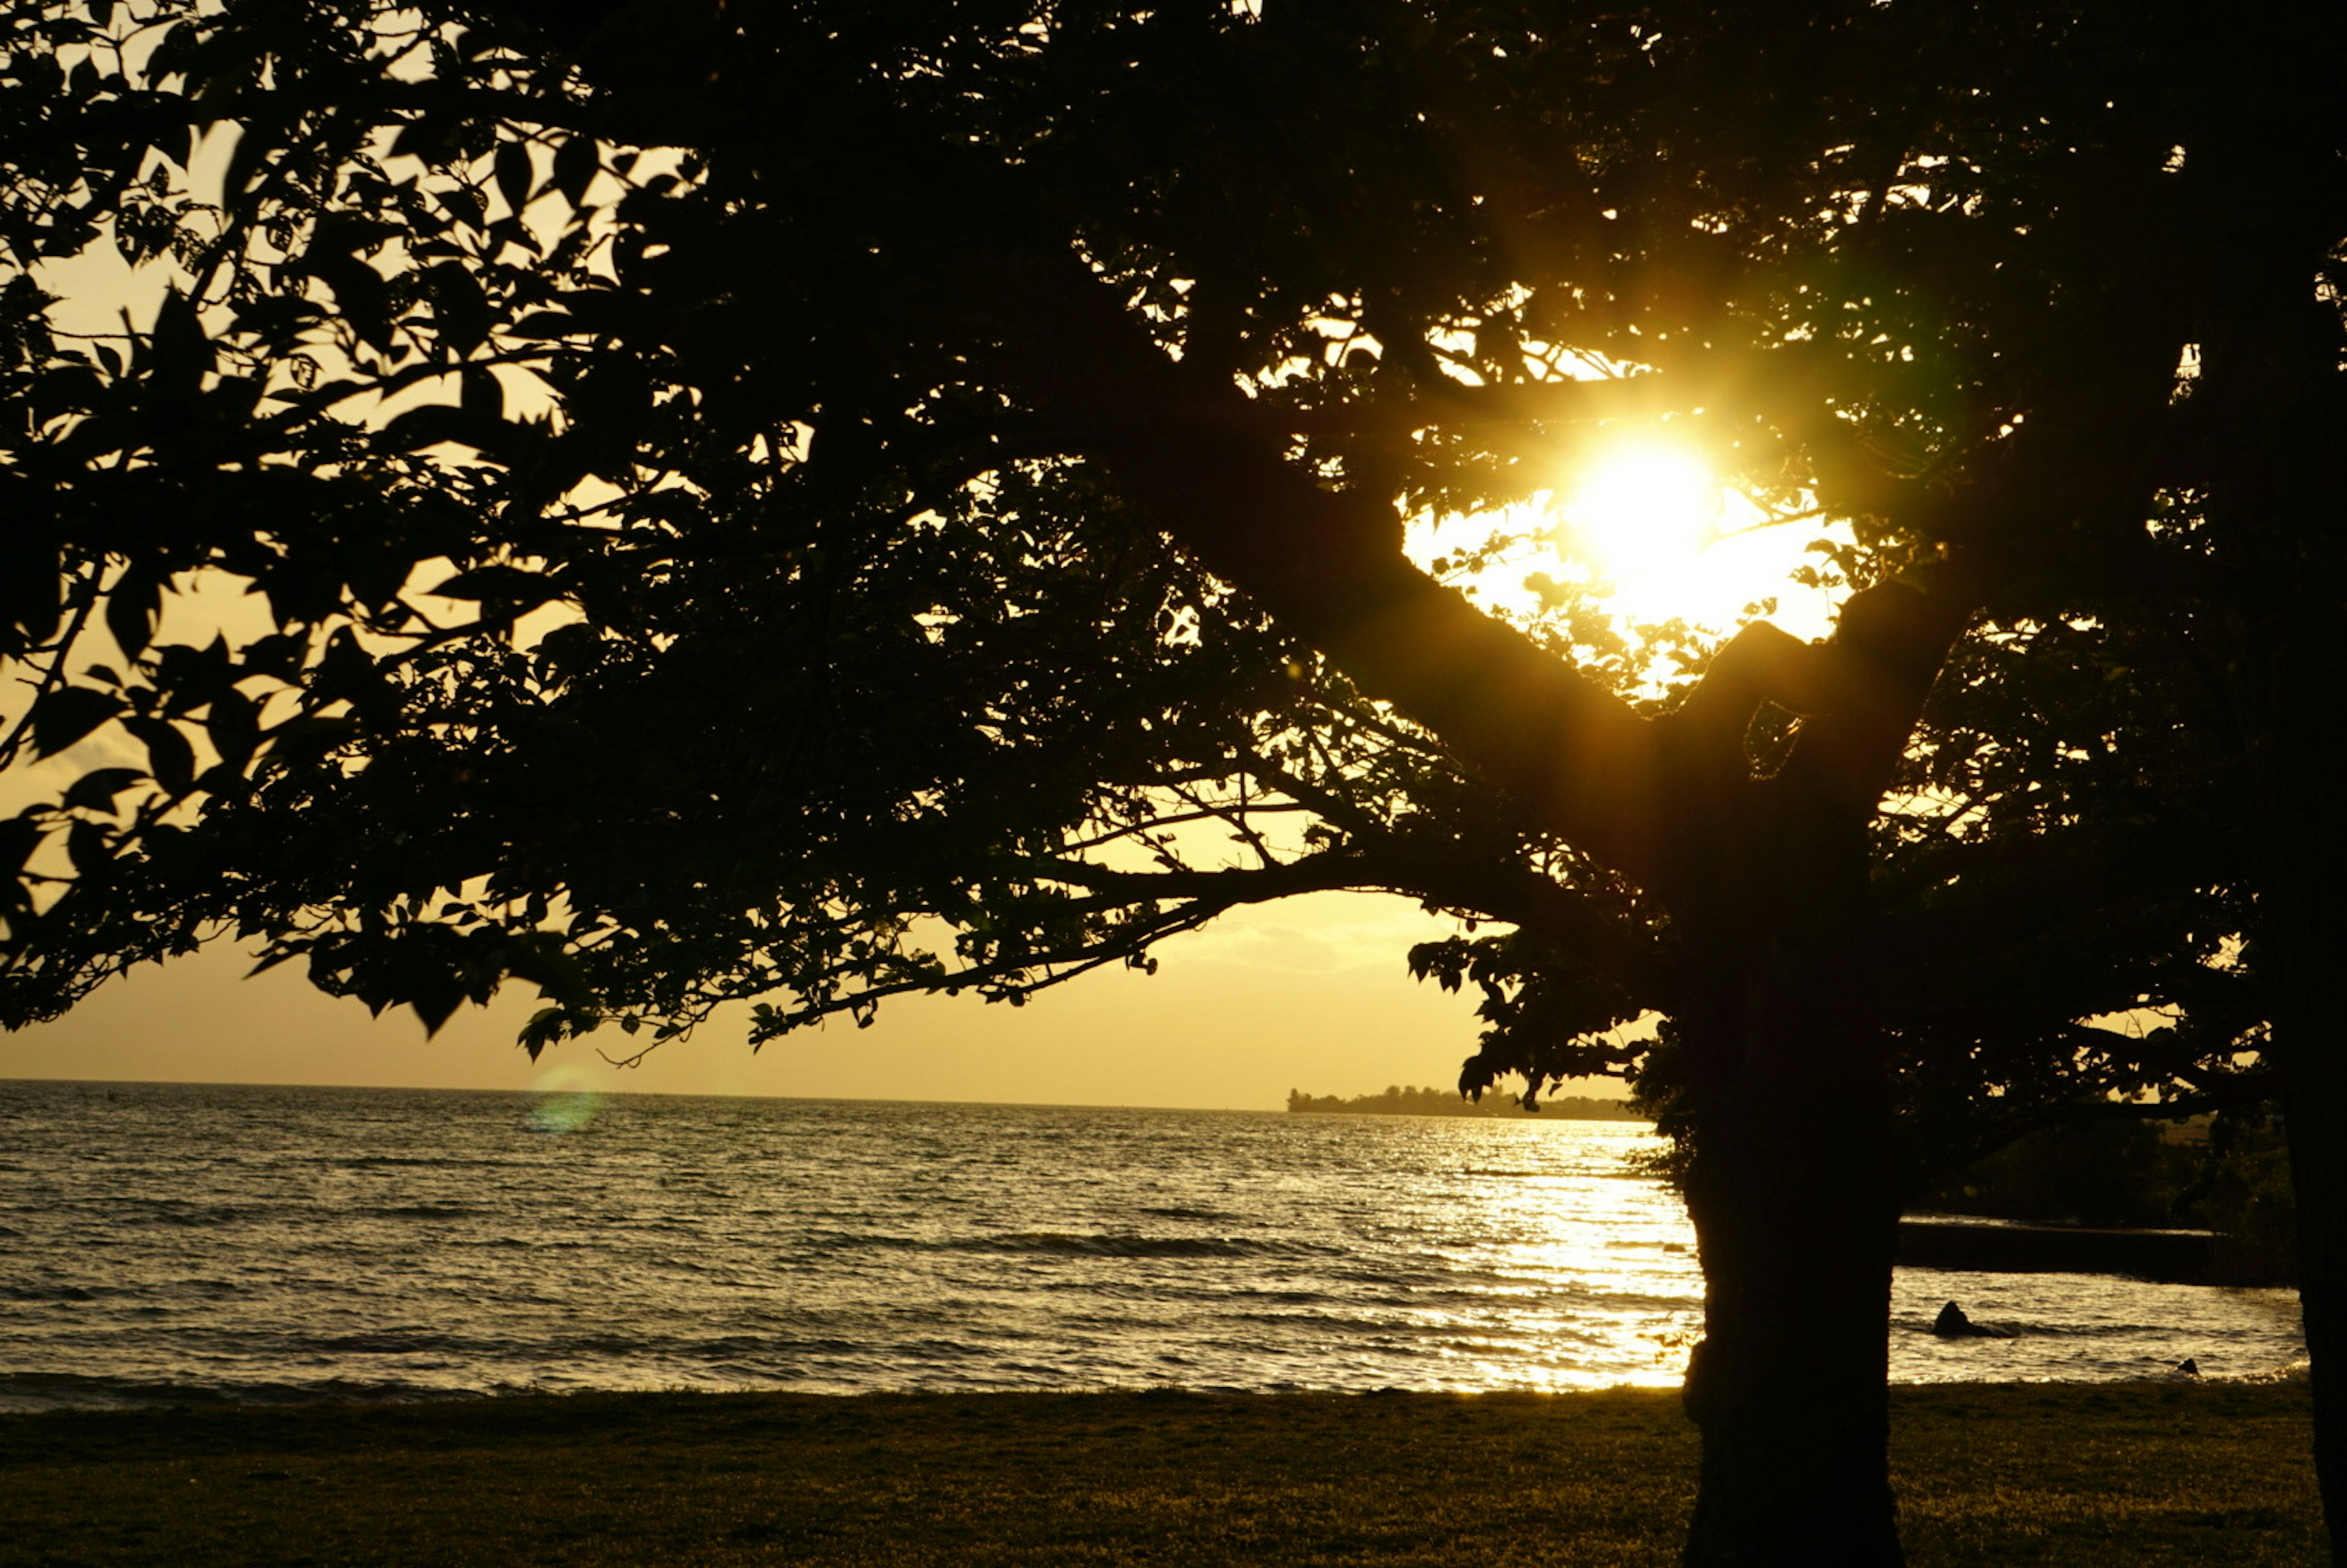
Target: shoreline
x,y
280,1398
2213,1473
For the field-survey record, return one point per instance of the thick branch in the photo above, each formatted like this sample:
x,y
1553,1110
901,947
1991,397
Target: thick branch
x,y
1593,929
1207,468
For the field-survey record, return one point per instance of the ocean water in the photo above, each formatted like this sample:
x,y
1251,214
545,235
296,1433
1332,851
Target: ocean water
x,y
167,1242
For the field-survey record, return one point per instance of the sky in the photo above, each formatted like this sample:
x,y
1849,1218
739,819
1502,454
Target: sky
x,y
1310,994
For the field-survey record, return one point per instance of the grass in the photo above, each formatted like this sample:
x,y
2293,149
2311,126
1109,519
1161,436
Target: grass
x,y
2004,1474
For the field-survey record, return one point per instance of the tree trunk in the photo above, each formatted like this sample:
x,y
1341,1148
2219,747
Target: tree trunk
x,y
2314,1111
1788,1386
2300,935
2277,402
1790,1189
1766,879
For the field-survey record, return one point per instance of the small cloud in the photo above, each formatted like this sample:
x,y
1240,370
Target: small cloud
x,y
1284,948
1323,932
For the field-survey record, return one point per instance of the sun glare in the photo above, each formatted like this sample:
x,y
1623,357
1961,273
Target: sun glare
x,y
1653,534
1644,518
1656,534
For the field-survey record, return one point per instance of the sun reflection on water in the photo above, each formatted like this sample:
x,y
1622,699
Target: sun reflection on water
x,y
256,1242
1596,1285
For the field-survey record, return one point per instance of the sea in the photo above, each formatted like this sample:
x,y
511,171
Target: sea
x,y
177,1244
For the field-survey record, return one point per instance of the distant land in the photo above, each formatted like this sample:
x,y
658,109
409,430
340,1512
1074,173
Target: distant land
x,y
1408,1100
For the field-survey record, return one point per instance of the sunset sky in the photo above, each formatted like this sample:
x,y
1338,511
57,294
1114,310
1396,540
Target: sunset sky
x,y
1311,994
1308,993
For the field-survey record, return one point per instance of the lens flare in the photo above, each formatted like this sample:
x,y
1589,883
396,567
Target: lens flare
x,y
568,1099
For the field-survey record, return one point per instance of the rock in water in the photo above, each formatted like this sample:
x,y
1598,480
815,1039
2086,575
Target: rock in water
x,y
1951,1324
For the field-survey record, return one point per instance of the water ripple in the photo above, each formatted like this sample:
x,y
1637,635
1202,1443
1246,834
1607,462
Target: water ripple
x,y
189,1242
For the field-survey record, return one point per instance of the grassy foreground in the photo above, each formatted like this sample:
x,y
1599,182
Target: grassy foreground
x,y
1989,1474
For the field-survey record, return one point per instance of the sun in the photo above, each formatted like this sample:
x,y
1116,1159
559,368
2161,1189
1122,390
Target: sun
x,y
1658,533
1644,518
1648,530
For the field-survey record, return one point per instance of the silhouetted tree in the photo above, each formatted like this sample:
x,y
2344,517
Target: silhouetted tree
x,y
741,497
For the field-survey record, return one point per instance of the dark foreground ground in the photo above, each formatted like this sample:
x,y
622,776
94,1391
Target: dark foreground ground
x,y
1989,1474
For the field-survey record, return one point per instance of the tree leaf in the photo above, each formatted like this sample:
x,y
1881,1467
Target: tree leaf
x,y
32,598
69,714
179,354
459,307
546,1026
95,791
479,395
19,836
546,324
89,845
506,587
169,756
511,170
360,297
576,163
310,737
132,608
436,1004
233,726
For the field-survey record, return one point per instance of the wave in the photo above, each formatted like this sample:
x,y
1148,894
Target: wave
x,y
179,1214
23,1391
399,1162
1050,1244
237,1245
39,1293
1063,1243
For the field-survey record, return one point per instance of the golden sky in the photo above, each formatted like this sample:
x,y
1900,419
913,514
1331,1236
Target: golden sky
x,y
1309,994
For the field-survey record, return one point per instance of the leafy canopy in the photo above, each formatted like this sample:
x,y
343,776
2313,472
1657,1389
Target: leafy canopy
x,y
746,502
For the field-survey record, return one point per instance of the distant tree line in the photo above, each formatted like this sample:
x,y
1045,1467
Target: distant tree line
x,y
1409,1100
